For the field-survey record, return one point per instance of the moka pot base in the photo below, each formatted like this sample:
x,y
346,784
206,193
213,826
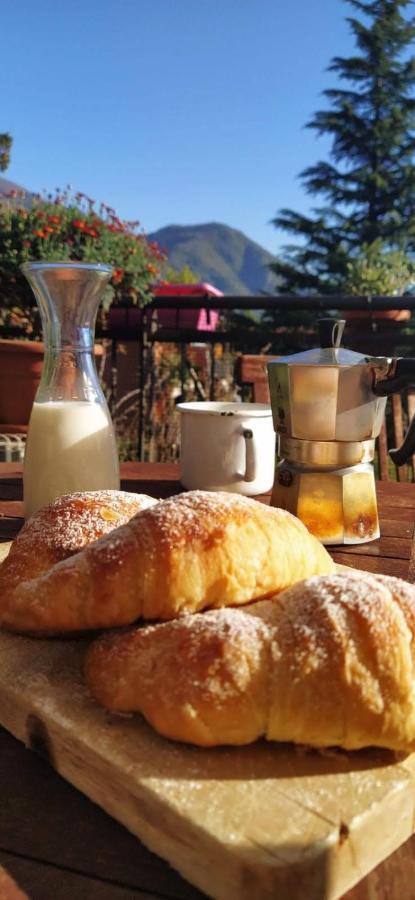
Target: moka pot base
x,y
338,505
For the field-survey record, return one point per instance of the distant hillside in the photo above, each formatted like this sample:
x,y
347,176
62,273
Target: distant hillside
x,y
220,255
6,186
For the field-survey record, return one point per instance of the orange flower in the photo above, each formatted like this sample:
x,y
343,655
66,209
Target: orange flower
x,y
39,233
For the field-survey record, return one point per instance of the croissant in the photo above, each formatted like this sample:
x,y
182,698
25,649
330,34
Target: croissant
x,y
196,550
62,529
328,662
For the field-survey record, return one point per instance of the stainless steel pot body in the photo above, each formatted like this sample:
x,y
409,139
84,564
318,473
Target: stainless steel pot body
x,y
328,400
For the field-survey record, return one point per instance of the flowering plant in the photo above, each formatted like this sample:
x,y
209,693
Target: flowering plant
x,y
66,227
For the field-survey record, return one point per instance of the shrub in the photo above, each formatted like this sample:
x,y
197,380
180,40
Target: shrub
x,y
65,227
377,271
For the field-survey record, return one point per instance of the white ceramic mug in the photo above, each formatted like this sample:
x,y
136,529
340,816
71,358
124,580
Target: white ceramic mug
x,y
227,447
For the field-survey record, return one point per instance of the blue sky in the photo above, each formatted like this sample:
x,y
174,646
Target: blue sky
x,y
171,111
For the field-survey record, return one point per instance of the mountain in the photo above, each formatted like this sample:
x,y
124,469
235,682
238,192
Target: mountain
x,y
6,186
219,255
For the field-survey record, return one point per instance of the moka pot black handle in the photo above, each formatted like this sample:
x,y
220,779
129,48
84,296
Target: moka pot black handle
x,y
400,376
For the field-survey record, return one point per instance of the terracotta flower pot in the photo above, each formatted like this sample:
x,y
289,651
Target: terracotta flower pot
x,y
396,315
21,365
20,370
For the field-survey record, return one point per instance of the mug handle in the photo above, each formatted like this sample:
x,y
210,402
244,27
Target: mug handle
x,y
250,455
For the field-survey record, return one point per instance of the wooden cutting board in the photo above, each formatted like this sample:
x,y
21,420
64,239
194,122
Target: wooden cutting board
x,y
263,821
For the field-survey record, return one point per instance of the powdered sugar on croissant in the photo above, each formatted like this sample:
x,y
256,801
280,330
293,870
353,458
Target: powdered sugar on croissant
x,y
62,529
330,661
193,551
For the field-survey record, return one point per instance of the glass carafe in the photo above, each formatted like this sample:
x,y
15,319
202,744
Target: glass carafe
x,y
71,442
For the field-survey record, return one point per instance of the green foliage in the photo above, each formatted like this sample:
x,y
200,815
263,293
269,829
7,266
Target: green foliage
x,y
69,228
368,188
180,276
376,271
6,142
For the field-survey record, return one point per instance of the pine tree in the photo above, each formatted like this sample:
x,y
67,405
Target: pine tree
x,y
368,189
6,141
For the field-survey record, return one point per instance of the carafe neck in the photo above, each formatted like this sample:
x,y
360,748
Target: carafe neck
x,y
68,296
69,373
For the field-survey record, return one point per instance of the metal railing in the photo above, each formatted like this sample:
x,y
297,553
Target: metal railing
x,y
294,328
288,323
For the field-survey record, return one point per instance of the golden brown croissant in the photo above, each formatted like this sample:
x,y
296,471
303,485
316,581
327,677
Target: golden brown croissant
x,y
327,662
64,528
196,550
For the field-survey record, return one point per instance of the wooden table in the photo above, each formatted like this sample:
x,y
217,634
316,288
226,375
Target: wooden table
x,y
59,845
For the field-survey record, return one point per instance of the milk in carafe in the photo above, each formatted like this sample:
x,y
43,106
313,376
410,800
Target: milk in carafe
x,y
71,443
70,447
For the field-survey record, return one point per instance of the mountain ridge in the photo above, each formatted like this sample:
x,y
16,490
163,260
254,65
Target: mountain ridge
x,y
6,186
219,254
